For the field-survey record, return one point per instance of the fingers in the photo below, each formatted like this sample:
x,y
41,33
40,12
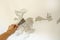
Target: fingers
x,y
13,26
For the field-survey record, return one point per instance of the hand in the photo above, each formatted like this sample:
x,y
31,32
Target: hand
x,y
12,28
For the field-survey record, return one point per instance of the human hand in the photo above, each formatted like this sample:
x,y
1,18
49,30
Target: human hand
x,y
12,28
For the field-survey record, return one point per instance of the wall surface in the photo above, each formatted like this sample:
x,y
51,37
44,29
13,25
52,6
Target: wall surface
x,y
44,30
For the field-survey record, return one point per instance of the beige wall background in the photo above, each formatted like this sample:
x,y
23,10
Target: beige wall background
x,y
44,30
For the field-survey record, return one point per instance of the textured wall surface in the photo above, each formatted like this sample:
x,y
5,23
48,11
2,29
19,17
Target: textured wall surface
x,y
46,27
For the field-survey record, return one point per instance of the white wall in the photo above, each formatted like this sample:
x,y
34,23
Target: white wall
x,y
35,8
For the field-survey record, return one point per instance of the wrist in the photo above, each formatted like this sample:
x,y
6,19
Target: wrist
x,y
9,32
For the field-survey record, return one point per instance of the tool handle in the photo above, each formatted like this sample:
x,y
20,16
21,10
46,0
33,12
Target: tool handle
x,y
21,22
